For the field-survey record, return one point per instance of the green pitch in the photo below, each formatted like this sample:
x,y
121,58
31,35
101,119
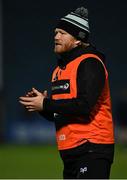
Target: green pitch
x,y
33,162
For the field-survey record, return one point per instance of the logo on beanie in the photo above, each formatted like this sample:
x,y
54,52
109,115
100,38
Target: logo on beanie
x,y
81,35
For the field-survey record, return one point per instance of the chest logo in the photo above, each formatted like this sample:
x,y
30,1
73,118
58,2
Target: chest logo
x,y
61,86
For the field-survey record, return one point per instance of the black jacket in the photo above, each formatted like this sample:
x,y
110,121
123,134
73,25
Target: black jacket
x,y
90,82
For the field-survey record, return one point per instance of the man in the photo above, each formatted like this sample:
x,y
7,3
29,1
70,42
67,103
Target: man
x,y
80,103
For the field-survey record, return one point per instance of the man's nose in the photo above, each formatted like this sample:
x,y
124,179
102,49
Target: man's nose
x,y
57,36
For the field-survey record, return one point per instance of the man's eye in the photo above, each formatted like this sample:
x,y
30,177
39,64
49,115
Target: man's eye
x,y
59,33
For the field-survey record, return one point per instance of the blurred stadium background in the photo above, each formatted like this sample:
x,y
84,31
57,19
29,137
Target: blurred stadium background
x,y
27,141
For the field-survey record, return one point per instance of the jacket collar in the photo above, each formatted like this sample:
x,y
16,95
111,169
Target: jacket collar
x,y
67,57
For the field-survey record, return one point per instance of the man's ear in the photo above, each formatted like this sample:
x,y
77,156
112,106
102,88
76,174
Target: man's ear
x,y
77,42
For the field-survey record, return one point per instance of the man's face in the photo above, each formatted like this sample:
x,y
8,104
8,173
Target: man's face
x,y
63,41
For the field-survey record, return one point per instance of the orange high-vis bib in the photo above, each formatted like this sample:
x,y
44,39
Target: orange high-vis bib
x,y
100,127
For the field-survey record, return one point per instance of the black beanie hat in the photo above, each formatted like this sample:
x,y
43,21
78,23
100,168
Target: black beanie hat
x,y
76,24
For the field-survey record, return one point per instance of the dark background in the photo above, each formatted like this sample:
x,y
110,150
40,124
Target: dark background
x,y
28,59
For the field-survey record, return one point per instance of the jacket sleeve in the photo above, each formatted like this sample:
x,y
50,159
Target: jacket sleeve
x,y
47,115
90,82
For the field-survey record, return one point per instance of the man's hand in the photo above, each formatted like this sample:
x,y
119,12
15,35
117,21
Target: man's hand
x,y
33,101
